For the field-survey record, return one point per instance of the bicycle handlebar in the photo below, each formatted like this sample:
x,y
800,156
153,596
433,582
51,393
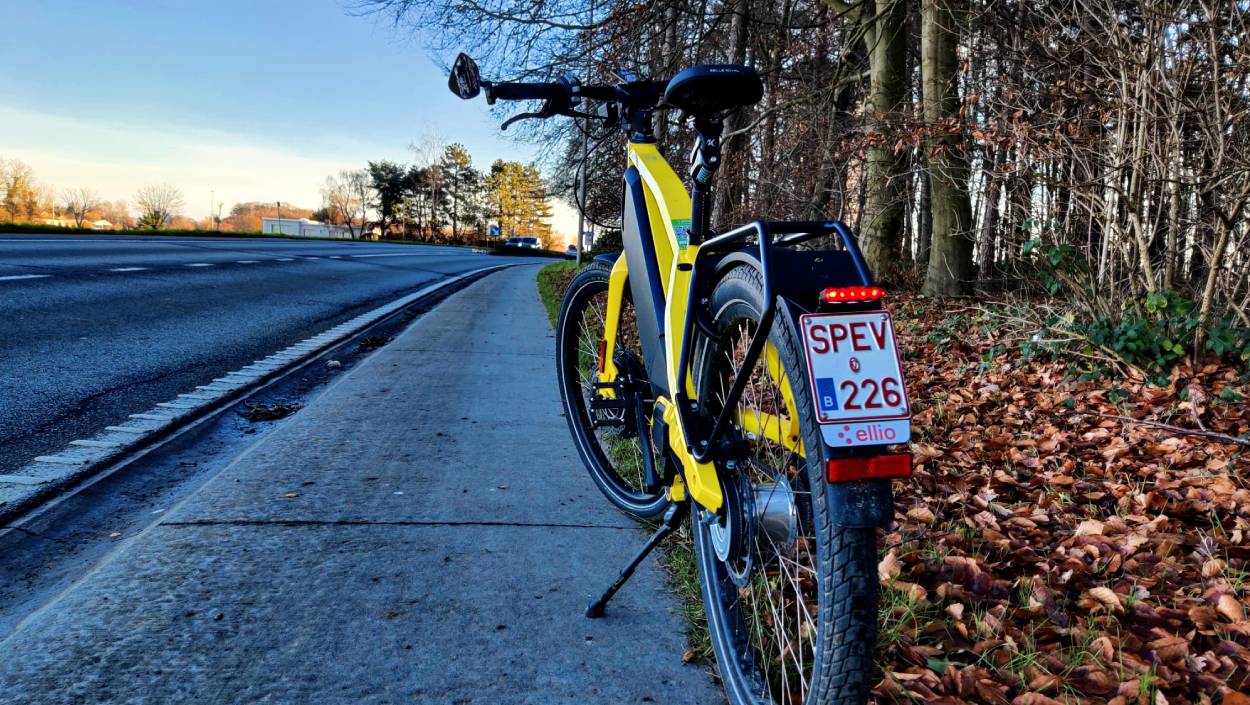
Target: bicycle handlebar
x,y
563,97
525,91
637,93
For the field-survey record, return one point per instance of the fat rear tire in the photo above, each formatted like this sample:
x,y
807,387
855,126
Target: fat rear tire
x,y
845,559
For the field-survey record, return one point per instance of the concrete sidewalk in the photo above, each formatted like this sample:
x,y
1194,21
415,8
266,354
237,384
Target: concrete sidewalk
x,y
422,533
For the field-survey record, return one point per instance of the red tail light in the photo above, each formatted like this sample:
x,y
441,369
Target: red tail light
x,y
851,294
878,467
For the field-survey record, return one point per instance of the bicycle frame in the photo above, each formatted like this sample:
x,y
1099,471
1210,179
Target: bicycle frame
x,y
657,205
660,266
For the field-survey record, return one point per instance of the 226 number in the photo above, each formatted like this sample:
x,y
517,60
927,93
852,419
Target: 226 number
x,y
886,394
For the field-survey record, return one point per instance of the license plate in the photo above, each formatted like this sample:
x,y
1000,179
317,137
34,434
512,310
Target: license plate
x,y
857,380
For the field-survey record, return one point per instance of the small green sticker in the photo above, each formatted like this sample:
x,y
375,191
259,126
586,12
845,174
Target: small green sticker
x,y
681,227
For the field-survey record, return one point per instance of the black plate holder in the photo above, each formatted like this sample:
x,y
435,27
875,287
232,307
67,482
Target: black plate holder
x,y
791,233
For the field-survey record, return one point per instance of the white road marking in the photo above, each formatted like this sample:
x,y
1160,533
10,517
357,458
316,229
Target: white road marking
x,y
247,261
15,277
128,269
199,264
335,257
286,259
395,254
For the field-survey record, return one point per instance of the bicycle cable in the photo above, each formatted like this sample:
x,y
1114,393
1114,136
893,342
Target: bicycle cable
x,y
579,175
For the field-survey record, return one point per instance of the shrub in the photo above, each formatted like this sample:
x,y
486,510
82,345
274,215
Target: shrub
x,y
1151,332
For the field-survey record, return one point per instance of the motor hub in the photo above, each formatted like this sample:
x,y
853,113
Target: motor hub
x,y
756,522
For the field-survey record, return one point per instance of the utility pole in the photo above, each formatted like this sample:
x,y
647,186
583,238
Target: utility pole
x,y
581,201
581,183
212,196
279,217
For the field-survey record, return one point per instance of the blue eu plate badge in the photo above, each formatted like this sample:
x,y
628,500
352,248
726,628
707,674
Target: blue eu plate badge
x,y
827,394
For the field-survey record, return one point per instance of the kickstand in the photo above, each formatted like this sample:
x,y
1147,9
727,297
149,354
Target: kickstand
x,y
672,519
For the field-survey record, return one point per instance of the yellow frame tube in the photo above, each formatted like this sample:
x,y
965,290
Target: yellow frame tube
x,y
668,213
617,280
784,432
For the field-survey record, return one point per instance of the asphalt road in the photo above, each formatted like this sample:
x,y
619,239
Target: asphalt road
x,y
93,328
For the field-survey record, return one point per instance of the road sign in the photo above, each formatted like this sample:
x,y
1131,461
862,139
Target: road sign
x,y
494,231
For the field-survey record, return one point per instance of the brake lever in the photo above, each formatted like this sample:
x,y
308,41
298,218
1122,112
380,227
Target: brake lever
x,y
522,116
548,110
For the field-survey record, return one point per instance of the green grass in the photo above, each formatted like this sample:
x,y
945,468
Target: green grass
x,y
683,576
900,615
552,281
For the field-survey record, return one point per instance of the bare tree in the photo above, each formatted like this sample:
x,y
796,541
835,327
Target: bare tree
x,y
158,205
79,202
20,195
882,27
116,212
345,198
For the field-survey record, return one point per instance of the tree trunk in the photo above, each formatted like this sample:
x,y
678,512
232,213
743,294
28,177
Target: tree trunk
x,y
924,227
989,219
734,150
950,262
881,224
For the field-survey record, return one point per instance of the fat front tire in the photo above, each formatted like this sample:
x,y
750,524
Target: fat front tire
x,y
801,626
608,441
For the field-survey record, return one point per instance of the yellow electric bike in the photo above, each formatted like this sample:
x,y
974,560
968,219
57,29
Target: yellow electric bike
x,y
738,381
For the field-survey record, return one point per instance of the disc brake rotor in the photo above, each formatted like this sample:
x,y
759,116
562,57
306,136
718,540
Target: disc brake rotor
x,y
732,530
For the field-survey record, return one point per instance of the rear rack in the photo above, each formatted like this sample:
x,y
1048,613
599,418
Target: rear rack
x,y
792,233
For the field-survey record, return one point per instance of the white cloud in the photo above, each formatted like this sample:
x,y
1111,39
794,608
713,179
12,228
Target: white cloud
x,y
116,160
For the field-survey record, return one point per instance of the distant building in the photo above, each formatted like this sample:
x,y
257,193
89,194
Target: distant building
x,y
303,227
67,223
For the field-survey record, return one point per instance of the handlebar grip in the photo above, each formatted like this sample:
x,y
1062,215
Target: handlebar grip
x,y
527,91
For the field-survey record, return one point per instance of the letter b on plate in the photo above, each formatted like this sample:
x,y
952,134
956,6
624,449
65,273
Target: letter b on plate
x,y
826,392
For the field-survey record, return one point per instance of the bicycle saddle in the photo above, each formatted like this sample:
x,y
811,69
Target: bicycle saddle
x,y
712,88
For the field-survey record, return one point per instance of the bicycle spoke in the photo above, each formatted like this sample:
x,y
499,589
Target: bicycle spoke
x,y
614,429
777,605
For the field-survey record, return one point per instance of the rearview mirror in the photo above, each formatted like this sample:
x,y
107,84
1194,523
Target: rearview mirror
x,y
465,80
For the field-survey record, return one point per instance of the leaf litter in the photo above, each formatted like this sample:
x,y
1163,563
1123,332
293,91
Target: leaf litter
x,y
1049,549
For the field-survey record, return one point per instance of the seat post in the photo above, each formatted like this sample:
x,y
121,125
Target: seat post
x,y
705,160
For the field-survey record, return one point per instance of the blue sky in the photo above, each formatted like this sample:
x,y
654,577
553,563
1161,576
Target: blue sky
x,y
256,100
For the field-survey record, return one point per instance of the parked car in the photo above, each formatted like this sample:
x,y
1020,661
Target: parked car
x,y
571,253
524,243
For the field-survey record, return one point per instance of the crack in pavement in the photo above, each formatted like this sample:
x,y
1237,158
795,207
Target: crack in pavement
x,y
384,522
